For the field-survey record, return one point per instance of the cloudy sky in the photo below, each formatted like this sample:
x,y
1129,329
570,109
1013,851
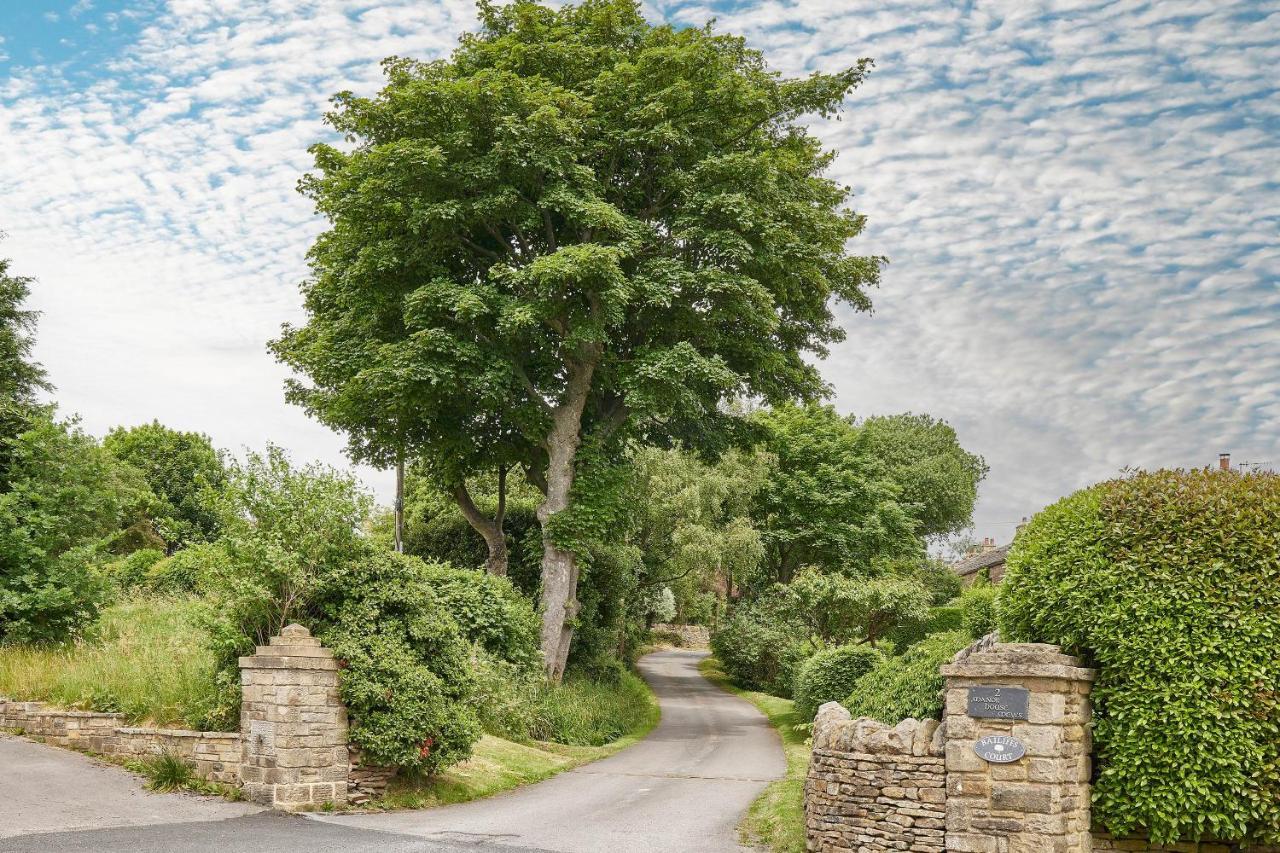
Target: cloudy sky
x,y
1078,198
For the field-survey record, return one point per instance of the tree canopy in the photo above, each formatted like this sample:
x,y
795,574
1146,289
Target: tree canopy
x,y
581,227
178,466
21,378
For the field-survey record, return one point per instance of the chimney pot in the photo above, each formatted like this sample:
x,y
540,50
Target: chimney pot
x,y
1224,461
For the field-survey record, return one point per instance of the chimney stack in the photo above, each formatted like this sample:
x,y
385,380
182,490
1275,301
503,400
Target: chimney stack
x,y
1224,461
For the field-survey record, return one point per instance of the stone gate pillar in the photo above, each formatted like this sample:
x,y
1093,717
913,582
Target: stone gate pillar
x,y
293,726
1017,750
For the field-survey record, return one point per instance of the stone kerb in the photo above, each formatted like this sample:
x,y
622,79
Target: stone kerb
x,y
873,787
293,725
1038,803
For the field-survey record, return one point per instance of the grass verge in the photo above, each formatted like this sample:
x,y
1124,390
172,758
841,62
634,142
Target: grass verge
x,y
775,820
147,658
498,765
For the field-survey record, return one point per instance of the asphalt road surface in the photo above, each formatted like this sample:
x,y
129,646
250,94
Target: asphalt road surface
x,y
682,789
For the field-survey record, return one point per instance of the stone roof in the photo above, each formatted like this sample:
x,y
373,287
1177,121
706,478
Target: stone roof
x,y
985,560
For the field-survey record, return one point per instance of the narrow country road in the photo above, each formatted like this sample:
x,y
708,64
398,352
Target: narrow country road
x,y
682,789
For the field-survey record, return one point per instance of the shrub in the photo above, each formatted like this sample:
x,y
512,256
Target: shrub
x,y
130,572
978,609
761,646
189,570
489,611
830,675
909,684
406,666
1169,582
947,618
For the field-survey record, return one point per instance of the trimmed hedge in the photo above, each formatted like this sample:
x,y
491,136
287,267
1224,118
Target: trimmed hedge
x,y
945,618
978,609
1169,582
829,675
909,684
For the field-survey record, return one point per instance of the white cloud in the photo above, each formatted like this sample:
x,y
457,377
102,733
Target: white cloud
x,y
1078,199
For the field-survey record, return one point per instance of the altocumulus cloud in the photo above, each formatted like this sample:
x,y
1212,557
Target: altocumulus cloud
x,y
1078,199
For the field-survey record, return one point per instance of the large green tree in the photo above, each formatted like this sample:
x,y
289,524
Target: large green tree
x,y
179,467
579,228
21,378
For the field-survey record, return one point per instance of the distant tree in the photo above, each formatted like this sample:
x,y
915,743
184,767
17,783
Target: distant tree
x,y
825,503
579,228
936,477
842,609
21,379
178,466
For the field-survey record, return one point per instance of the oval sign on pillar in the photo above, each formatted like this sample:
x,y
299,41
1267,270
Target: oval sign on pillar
x,y
1000,749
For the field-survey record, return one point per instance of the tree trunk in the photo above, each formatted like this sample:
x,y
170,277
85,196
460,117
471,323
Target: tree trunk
x,y
495,537
560,566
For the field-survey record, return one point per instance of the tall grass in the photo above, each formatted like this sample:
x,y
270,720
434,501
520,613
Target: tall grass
x,y
148,659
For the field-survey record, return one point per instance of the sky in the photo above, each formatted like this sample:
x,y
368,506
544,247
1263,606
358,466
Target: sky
x,y
1078,200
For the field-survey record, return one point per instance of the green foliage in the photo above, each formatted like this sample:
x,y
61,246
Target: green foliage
x,y
193,569
178,467
936,576
406,678
909,684
978,608
940,619
21,379
490,612
762,645
129,573
840,609
148,658
1169,583
66,504
937,479
830,675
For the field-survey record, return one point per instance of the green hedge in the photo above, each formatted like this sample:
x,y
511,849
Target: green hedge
x,y
829,675
977,606
945,618
1169,582
762,646
909,684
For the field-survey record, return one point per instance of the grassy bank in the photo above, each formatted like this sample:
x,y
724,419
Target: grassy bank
x,y
148,659
578,710
775,820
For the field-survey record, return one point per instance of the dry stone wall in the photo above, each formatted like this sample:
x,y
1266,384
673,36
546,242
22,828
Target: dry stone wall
x,y
214,755
873,787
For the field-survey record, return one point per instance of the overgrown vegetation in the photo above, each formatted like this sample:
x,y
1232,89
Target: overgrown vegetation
x,y
909,684
148,658
830,675
1168,582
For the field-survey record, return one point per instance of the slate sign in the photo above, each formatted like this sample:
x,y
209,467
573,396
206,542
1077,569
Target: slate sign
x,y
1000,749
1002,703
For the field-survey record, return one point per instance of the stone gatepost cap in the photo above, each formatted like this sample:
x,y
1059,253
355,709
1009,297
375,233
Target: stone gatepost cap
x,y
1012,660
294,631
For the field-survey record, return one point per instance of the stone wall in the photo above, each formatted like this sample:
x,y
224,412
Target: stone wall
x,y
214,755
691,636
872,787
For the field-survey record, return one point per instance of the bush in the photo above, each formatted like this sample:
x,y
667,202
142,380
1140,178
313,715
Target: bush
x,y
909,684
129,573
406,666
940,619
830,675
189,570
1169,582
978,609
761,646
490,612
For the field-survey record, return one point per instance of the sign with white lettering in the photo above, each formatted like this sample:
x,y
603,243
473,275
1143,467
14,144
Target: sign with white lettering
x,y
1002,703
1000,749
